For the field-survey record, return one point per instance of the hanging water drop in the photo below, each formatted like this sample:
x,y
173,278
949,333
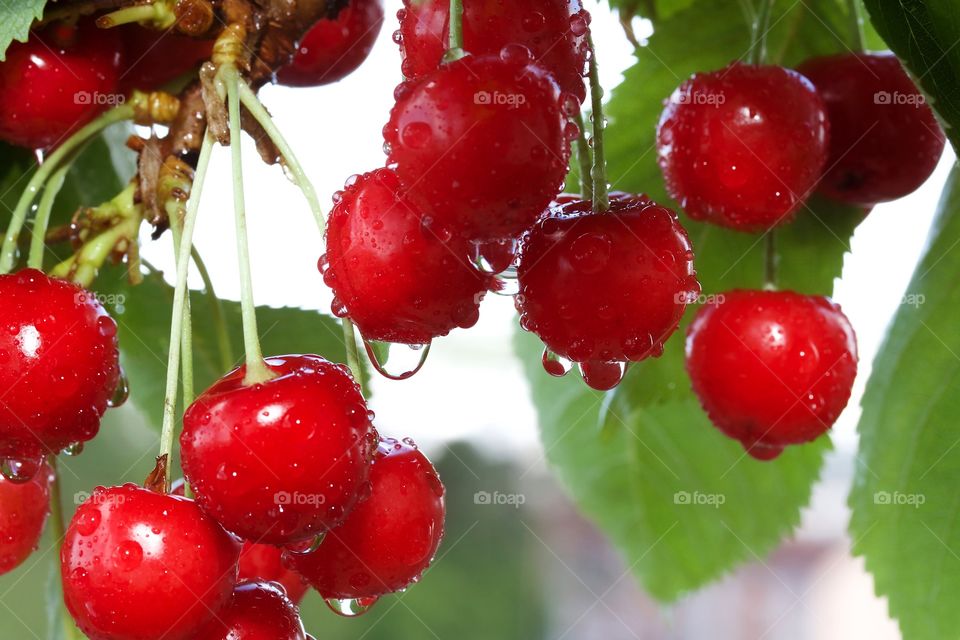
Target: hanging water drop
x,y
555,365
397,356
350,607
20,471
74,449
121,392
602,376
307,547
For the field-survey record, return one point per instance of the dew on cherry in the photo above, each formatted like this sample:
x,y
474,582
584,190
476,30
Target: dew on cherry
x,y
350,607
405,360
306,547
73,449
602,376
121,393
20,470
555,365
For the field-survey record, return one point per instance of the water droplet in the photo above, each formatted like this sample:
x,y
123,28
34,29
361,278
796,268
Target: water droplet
x,y
106,326
516,54
602,376
121,392
20,471
74,449
555,365
128,555
416,135
579,23
395,352
304,548
350,607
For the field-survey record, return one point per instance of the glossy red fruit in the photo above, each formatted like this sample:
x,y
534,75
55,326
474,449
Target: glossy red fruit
x,y
333,48
139,565
603,289
59,366
555,31
23,511
771,368
390,538
743,147
398,275
482,143
257,611
153,58
56,82
262,562
282,461
884,139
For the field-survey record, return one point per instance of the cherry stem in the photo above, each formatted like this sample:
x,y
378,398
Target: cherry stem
x,y
227,360
186,336
253,105
455,43
179,303
157,13
585,160
856,25
58,522
353,352
770,261
601,199
257,370
761,24
8,252
42,219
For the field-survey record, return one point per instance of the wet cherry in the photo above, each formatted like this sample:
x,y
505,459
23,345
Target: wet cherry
x,y
153,58
333,48
390,538
23,510
400,277
744,146
481,144
257,611
605,288
554,30
884,139
771,368
56,82
282,461
263,562
139,565
59,365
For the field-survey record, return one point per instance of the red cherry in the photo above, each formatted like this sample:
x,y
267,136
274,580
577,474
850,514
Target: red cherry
x,y
139,565
257,611
744,146
397,275
390,538
481,144
333,48
282,461
555,31
772,368
23,511
605,288
263,562
153,58
884,139
56,82
59,365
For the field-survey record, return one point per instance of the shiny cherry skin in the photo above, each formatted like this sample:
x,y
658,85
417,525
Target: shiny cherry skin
x,y
139,565
390,538
56,82
257,611
555,31
884,139
262,562
399,277
59,365
334,48
607,288
153,58
743,147
482,144
24,507
281,461
771,368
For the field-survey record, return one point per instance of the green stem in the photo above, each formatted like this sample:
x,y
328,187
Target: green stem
x,y
601,199
856,26
770,261
179,303
761,24
42,219
353,352
8,252
257,370
216,314
252,103
58,523
156,14
585,160
455,43
186,338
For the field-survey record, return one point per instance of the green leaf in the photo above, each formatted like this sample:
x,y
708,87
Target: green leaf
x,y
924,33
905,498
654,441
16,16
